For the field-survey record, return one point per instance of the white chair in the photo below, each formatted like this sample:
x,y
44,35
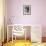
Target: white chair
x,y
17,31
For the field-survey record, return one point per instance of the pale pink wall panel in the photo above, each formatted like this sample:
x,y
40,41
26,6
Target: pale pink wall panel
x,y
38,12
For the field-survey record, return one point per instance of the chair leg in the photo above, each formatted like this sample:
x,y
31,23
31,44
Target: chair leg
x,y
25,36
15,38
2,44
12,36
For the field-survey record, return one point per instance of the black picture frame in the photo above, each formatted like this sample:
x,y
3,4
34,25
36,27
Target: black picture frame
x,y
26,9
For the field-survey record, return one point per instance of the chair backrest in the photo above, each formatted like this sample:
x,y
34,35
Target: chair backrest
x,y
18,30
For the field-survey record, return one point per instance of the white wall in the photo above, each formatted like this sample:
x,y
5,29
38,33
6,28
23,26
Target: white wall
x,y
38,12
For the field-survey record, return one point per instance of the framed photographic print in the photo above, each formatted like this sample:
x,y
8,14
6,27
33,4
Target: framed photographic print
x,y
27,9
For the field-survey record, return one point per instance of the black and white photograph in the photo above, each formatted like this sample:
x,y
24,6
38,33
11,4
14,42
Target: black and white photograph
x,y
27,9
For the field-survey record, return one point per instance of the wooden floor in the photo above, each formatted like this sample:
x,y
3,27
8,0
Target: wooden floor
x,y
18,43
23,43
